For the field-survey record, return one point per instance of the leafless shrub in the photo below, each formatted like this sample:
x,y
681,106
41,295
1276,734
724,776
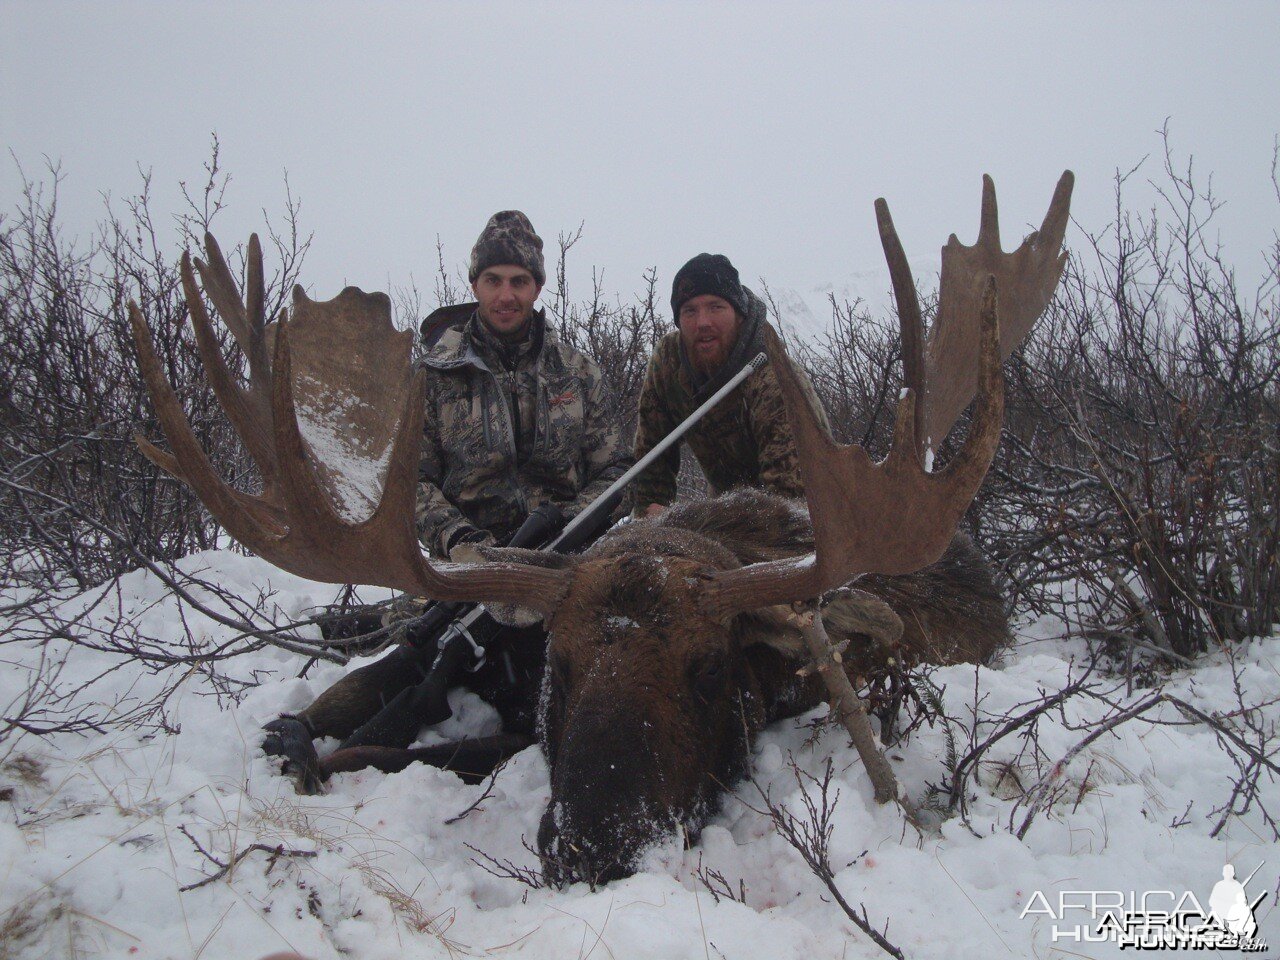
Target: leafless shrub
x,y
70,396
112,630
1038,780
715,883
1142,455
485,794
225,867
810,836
41,709
618,335
531,877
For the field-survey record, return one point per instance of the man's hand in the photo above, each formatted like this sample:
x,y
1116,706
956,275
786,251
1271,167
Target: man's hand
x,y
653,509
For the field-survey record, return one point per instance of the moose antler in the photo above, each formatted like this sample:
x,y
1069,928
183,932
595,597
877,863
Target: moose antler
x,y
946,377
333,419
897,516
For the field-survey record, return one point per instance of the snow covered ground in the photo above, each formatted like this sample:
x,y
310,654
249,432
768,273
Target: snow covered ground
x,y
100,830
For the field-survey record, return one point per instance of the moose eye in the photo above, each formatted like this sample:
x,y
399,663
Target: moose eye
x,y
709,677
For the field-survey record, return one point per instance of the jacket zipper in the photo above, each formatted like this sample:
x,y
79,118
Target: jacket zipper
x,y
484,415
542,441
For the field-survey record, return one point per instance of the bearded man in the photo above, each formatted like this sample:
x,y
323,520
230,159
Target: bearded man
x,y
746,439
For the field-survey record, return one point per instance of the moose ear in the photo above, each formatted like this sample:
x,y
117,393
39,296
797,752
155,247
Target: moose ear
x,y
771,627
846,612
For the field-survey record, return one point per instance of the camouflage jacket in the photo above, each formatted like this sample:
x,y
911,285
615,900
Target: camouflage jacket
x,y
744,441
498,442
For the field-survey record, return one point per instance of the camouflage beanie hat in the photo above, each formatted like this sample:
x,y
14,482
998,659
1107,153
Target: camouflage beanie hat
x,y
508,240
707,273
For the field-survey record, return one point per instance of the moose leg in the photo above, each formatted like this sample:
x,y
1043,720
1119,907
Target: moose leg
x,y
472,759
290,738
361,694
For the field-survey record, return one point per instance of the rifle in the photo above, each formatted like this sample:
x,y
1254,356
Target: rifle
x,y
460,631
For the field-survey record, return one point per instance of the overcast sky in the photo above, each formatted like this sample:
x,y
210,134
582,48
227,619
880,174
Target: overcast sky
x,y
763,131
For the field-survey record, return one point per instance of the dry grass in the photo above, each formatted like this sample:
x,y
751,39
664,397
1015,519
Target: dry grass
x,y
362,849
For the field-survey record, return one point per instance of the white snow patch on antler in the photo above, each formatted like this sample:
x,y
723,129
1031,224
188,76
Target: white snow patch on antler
x,y
353,471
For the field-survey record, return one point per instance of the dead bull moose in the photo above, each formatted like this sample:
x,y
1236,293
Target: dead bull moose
x,y
671,640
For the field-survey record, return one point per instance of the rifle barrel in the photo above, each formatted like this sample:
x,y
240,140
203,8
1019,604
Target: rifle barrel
x,y
610,497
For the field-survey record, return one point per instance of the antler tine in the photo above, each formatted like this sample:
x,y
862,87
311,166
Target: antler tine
x,y
1054,226
910,321
256,314
221,287
1026,280
989,219
249,519
255,297
249,412
890,518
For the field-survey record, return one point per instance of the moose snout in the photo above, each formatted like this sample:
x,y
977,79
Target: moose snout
x,y
608,803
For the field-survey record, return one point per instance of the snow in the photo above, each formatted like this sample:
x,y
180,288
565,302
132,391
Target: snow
x,y
355,476
94,841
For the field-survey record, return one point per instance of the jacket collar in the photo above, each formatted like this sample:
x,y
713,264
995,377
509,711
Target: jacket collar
x,y
451,342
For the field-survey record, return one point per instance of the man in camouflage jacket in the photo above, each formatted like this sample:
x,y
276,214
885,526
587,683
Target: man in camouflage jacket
x,y
514,417
746,439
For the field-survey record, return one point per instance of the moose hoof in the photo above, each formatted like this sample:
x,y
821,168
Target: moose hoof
x,y
289,738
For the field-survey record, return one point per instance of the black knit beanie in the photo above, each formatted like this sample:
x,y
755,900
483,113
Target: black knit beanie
x,y
707,273
508,240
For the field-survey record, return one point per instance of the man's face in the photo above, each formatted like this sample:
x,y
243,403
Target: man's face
x,y
709,329
506,295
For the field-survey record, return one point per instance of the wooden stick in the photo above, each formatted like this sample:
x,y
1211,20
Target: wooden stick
x,y
849,709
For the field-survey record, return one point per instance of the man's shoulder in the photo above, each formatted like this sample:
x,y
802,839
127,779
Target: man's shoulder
x,y
441,321
666,386
664,363
763,394
446,344
562,357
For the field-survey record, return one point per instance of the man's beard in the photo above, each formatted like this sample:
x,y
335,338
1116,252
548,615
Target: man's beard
x,y
708,363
